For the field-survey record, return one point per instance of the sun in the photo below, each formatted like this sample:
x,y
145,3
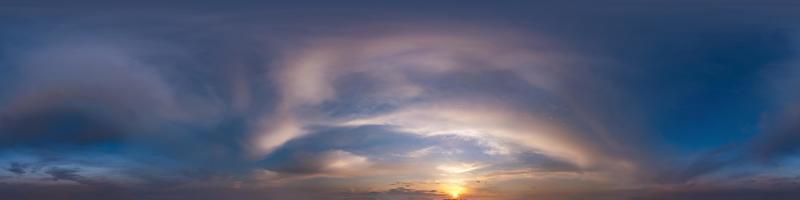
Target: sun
x,y
455,194
455,191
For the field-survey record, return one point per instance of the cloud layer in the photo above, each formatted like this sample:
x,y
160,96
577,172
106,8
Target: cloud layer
x,y
368,101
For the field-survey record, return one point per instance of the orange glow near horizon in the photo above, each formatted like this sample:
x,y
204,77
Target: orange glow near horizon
x,y
455,191
455,194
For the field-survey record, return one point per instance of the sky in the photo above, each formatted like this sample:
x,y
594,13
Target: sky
x,y
546,100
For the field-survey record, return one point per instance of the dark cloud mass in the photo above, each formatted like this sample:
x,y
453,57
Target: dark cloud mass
x,y
17,168
399,100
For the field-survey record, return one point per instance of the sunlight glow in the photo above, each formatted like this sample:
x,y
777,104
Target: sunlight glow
x,y
455,194
455,191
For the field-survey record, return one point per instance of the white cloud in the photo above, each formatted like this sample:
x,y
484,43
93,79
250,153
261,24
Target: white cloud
x,y
308,74
459,168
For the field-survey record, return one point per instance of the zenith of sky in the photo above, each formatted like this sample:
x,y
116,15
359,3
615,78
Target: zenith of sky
x,y
548,100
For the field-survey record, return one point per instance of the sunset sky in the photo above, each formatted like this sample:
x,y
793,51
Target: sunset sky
x,y
398,100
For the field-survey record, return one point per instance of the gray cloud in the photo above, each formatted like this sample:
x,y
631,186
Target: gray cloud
x,y
73,174
17,168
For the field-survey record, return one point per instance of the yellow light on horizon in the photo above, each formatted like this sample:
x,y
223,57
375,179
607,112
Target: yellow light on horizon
x,y
455,191
455,194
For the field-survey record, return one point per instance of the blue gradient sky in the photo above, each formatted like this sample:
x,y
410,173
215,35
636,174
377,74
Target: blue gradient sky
x,y
390,100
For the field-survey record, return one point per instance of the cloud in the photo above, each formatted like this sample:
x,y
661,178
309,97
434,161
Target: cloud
x,y
328,163
459,167
708,163
83,93
779,136
310,75
400,193
84,96
436,83
480,96
17,168
72,174
64,174
254,103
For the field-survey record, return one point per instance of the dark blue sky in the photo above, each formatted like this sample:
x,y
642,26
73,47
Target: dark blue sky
x,y
399,100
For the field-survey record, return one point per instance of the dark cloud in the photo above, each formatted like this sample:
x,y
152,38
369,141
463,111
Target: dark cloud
x,y
321,163
375,140
72,174
723,193
17,168
19,191
58,127
400,193
64,174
